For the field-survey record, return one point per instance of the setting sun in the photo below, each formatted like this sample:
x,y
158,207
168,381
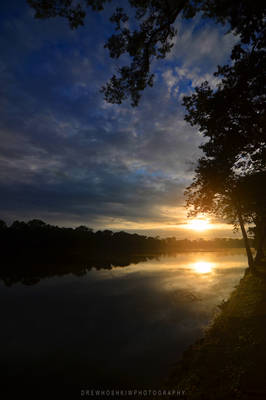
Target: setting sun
x,y
199,224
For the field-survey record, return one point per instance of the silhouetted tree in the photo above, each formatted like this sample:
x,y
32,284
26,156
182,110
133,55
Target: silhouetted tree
x,y
153,32
252,188
83,229
3,225
36,224
18,225
214,192
231,174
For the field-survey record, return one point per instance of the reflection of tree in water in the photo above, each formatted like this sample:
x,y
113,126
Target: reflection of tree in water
x,y
35,250
30,273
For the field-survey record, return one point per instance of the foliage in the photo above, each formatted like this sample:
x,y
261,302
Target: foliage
x,y
153,32
233,116
231,176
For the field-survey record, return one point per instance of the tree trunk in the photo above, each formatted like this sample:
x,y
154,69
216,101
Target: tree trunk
x,y
245,238
260,243
259,255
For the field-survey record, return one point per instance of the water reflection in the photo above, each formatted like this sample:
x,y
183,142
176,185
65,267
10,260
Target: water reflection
x,y
31,272
116,327
203,267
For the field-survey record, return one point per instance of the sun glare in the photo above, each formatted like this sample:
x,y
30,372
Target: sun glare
x,y
199,224
202,267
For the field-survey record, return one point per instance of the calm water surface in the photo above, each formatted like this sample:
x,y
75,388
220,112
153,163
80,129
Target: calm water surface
x,y
121,327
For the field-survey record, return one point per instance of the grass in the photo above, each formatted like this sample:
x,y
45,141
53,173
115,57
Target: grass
x,y
230,361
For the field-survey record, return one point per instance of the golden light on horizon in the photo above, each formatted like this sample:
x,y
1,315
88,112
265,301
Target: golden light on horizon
x,y
202,267
199,224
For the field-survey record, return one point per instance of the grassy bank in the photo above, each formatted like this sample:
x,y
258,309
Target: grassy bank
x,y
230,361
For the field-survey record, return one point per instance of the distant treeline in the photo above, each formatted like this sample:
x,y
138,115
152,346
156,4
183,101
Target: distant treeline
x,y
35,237
35,250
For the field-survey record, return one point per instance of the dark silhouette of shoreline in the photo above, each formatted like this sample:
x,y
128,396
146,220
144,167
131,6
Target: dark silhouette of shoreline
x,y
229,361
35,250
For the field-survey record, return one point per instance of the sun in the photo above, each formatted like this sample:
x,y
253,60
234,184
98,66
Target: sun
x,y
199,224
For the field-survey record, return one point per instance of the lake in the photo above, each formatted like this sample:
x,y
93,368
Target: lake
x,y
115,327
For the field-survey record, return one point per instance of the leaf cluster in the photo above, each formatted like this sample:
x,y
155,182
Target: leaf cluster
x,y
153,32
232,173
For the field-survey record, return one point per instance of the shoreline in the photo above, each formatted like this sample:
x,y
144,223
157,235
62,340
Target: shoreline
x,y
229,362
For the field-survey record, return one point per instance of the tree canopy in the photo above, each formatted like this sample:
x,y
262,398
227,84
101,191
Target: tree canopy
x,y
153,32
230,178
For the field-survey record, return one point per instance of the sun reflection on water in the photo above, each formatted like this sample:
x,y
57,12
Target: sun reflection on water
x,y
203,267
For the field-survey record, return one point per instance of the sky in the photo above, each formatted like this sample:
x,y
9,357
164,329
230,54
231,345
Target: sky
x,y
68,157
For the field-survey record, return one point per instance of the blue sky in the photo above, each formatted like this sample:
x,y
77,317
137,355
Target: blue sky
x,y
68,157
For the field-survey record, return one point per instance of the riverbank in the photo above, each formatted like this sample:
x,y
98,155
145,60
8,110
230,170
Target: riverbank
x,y
230,361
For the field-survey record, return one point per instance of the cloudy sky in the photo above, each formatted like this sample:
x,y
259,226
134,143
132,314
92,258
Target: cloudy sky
x,y
68,157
